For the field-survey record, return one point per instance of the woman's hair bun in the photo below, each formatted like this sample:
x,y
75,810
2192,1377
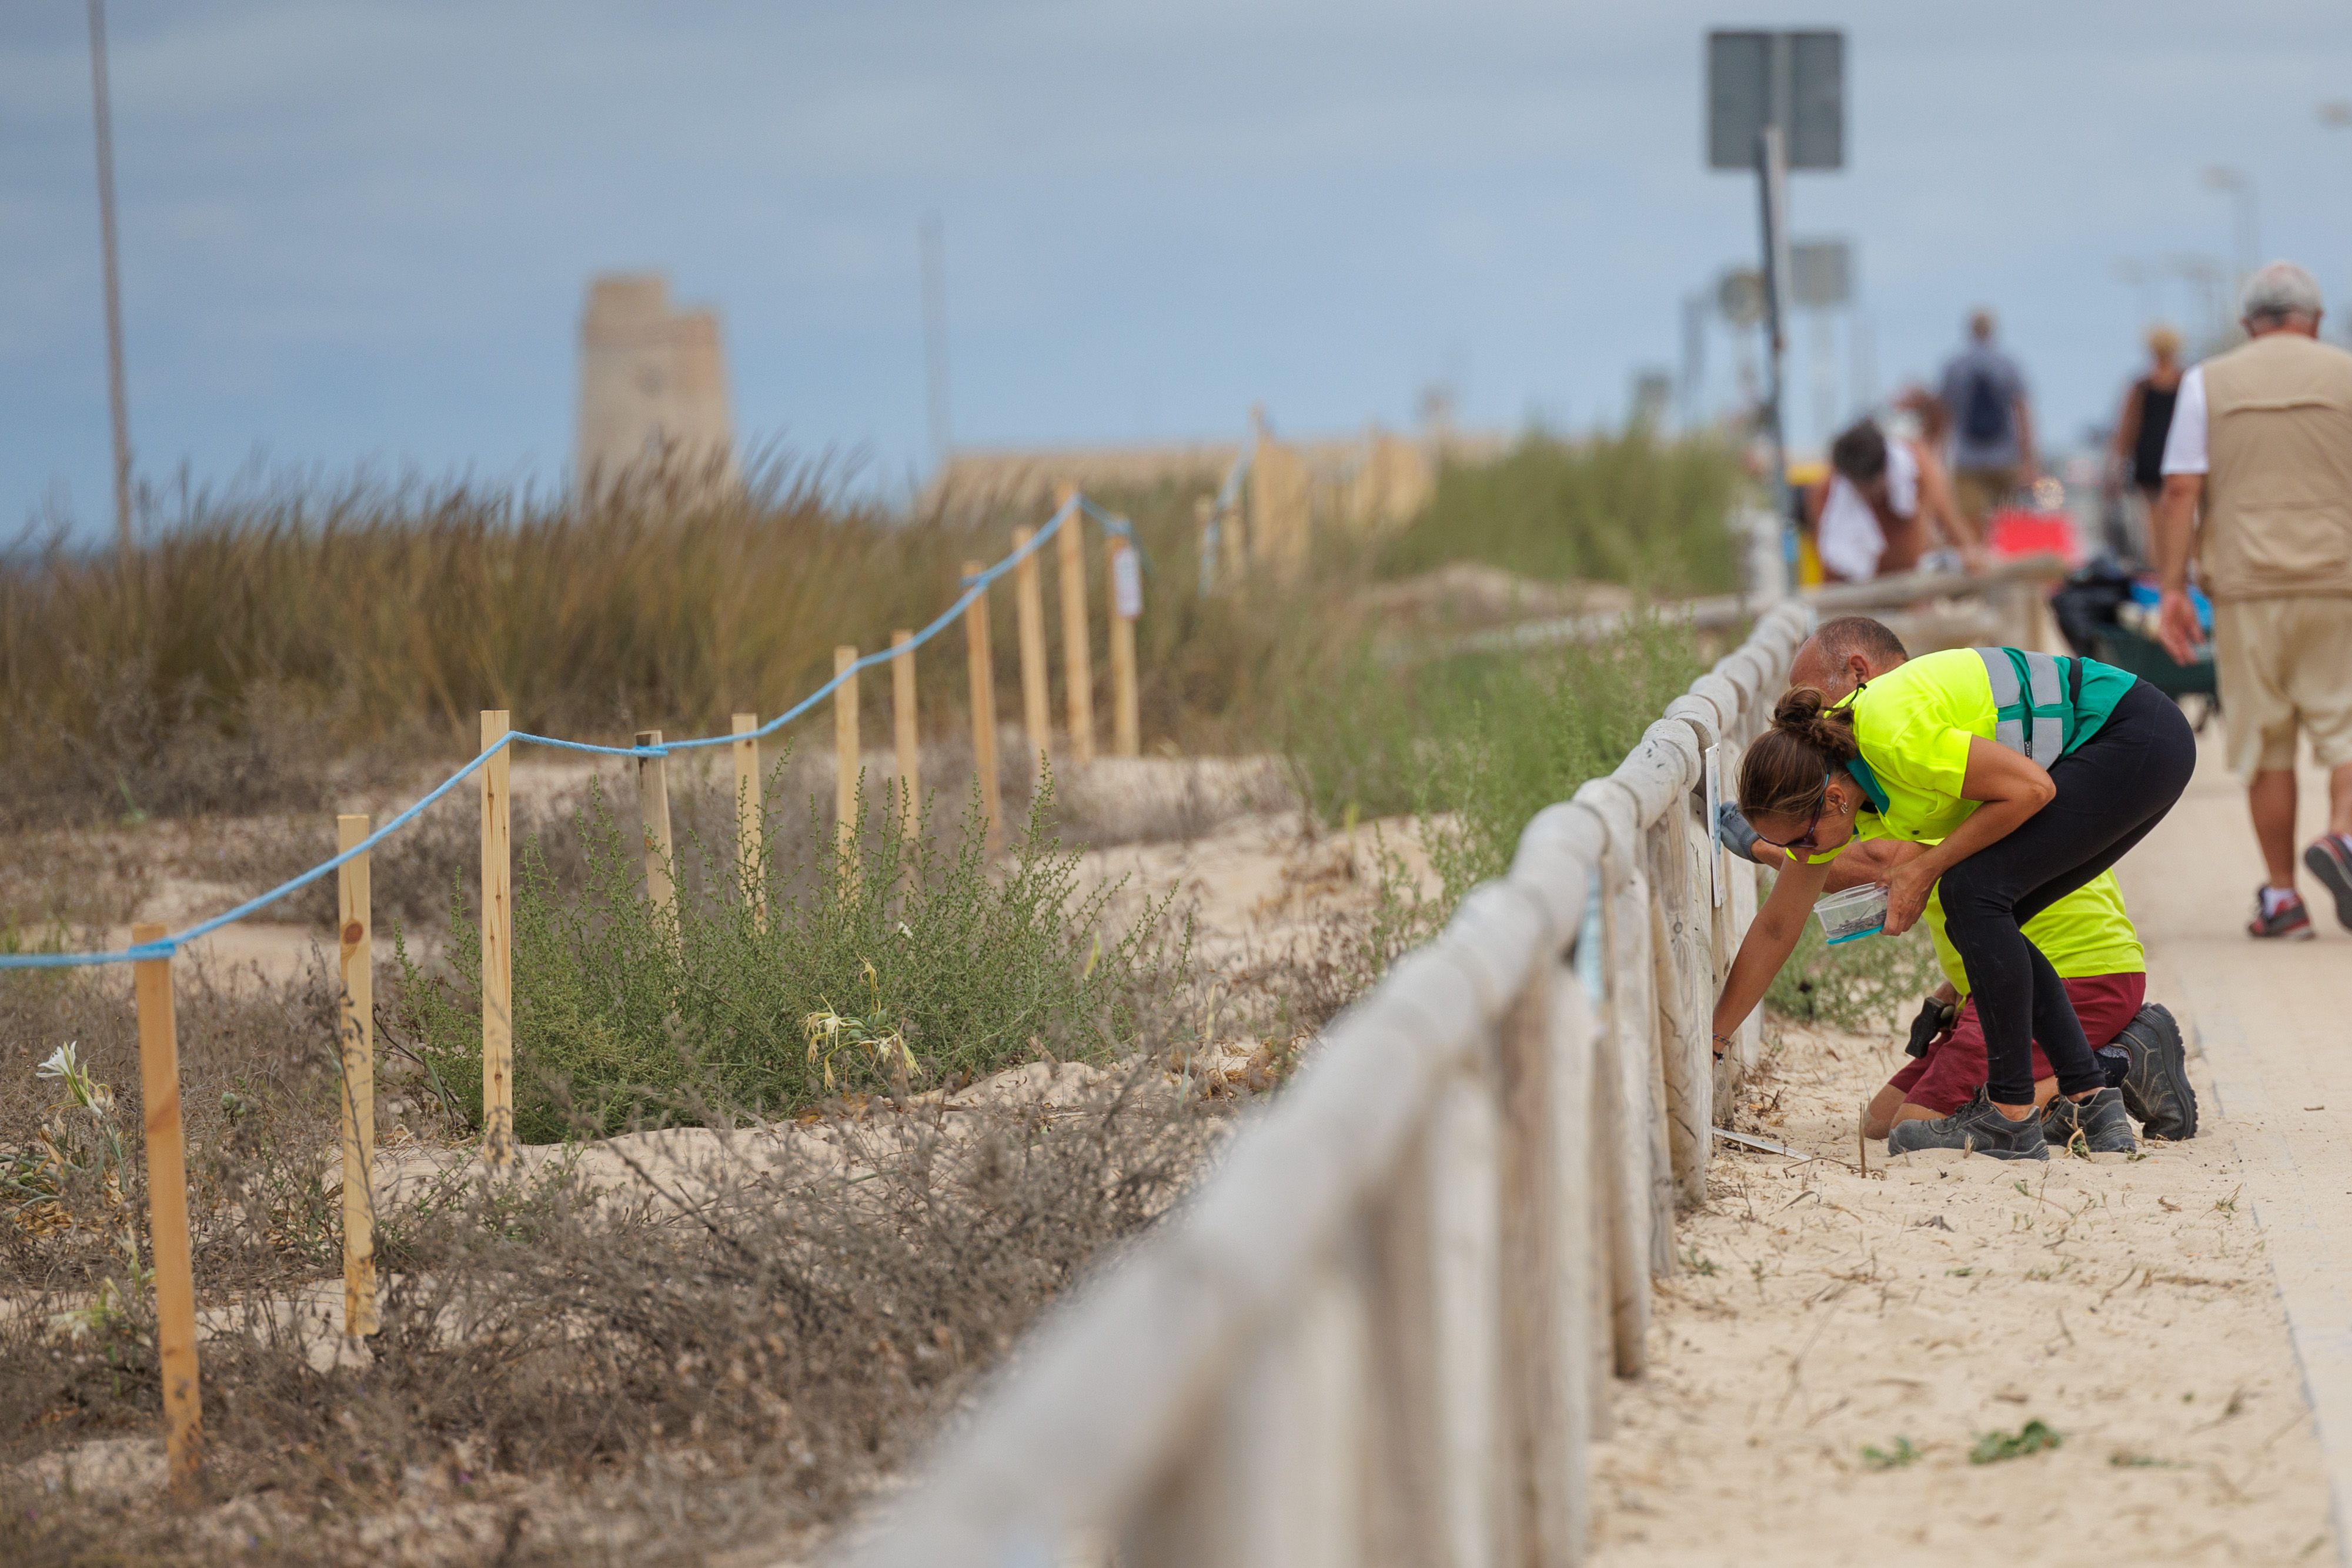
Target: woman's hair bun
x,y
1804,715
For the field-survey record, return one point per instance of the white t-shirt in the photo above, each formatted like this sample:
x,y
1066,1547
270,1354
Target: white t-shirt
x,y
2184,444
1849,539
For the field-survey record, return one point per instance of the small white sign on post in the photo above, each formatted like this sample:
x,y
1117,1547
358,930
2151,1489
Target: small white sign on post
x,y
1126,584
1715,867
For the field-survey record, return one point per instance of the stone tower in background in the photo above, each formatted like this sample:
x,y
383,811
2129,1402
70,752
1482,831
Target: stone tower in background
x,y
653,386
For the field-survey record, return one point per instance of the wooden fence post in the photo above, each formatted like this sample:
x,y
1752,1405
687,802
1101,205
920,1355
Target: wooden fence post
x,y
1543,1461
906,733
167,1212
1029,618
1678,949
1078,656
750,820
652,814
848,741
498,948
356,1034
1126,603
1472,1403
1406,1524
980,653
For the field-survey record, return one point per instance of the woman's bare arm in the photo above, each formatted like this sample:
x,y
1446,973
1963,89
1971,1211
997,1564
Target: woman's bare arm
x,y
2008,789
1770,941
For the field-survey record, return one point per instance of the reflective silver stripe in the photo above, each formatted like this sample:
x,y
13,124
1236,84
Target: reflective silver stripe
x,y
2049,739
2011,732
2041,671
2004,676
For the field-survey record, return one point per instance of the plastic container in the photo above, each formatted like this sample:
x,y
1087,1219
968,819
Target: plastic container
x,y
1856,912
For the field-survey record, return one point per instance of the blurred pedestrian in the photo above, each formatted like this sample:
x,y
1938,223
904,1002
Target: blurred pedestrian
x,y
1992,424
1872,516
2140,430
2262,440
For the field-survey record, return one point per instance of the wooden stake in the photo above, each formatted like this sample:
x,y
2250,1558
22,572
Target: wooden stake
x,y
979,653
750,820
1078,658
848,740
1205,519
653,815
498,949
905,733
1029,613
167,1212
1126,735
355,1035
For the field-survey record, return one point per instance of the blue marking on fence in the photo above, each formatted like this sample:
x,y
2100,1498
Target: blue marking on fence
x,y
974,587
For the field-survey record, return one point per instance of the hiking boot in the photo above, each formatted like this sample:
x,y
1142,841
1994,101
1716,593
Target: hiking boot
x,y
2289,920
2093,1126
2330,859
2156,1089
1976,1127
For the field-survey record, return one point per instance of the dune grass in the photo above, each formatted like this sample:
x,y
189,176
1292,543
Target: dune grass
x,y
1626,508
261,642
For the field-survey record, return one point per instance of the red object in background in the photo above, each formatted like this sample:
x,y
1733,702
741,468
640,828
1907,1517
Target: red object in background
x,y
2017,531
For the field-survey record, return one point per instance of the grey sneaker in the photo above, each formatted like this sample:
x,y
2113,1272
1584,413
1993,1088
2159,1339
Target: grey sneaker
x,y
2155,1089
1976,1127
2330,859
2092,1126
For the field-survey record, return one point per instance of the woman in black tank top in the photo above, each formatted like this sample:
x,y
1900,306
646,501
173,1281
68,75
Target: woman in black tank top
x,y
2147,414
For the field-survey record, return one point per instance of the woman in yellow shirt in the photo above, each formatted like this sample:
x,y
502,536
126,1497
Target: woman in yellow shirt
x,y
2025,775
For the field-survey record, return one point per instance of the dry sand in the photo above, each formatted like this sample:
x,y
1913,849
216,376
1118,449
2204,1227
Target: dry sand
x,y
1820,1312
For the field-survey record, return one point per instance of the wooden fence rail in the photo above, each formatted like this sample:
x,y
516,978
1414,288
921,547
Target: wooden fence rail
x,y
1382,1331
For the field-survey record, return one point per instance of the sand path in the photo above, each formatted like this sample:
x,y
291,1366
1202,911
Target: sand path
x,y
2270,1020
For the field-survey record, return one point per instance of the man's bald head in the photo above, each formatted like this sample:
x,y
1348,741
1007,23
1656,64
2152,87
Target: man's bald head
x,y
1842,654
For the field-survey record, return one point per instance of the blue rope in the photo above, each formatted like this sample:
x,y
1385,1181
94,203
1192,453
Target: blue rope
x,y
974,587
1118,527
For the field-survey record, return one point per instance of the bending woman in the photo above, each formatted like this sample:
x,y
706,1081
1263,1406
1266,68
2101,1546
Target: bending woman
x,y
2026,775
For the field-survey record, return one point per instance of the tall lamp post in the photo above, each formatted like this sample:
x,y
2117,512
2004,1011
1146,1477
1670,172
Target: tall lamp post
x,y
117,402
2335,114
2239,186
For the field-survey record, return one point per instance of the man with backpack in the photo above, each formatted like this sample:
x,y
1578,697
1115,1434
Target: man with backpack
x,y
1992,427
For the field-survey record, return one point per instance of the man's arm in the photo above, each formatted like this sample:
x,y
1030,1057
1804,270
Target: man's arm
x,y
1862,861
2029,467
2173,526
1939,506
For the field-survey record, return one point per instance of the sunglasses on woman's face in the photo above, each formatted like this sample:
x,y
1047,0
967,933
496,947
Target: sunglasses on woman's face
x,y
1804,840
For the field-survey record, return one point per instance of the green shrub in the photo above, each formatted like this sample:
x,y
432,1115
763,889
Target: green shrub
x,y
1611,508
1477,744
884,963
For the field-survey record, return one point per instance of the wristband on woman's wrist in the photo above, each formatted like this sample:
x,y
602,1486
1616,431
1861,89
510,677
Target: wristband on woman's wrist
x,y
1722,1044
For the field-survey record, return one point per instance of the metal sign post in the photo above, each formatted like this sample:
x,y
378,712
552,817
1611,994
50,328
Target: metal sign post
x,y
1772,189
1776,101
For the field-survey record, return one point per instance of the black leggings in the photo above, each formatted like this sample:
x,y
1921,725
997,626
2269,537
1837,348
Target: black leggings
x,y
2110,793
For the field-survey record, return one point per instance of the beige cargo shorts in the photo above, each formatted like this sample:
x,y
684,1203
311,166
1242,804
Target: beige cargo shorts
x,y
2284,663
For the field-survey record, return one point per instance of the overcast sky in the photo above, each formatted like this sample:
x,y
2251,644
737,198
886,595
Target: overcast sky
x,y
360,234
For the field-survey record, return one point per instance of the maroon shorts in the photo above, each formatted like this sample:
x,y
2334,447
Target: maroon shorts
x,y
1954,1069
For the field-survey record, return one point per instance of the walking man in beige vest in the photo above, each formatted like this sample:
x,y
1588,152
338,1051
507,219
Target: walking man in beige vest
x,y
2262,438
